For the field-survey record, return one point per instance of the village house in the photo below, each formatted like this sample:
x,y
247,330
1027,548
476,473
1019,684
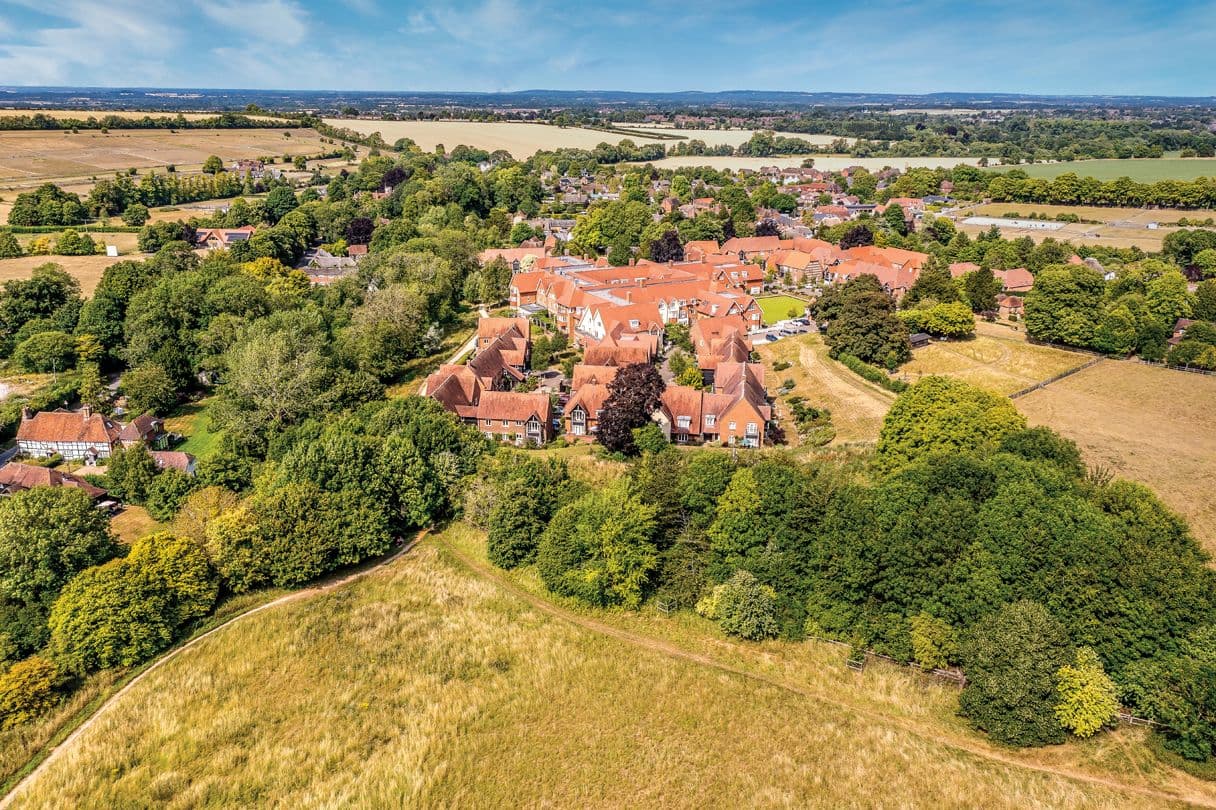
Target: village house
x,y
219,238
735,412
719,340
83,435
17,477
1008,306
253,170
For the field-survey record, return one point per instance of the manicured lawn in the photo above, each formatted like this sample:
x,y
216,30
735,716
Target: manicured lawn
x,y
777,307
194,422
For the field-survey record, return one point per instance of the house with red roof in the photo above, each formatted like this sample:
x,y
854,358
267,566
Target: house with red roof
x,y
83,435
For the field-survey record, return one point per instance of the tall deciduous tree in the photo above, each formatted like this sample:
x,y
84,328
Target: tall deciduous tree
x,y
633,395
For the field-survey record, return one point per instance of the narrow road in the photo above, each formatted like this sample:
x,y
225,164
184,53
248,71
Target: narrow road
x,y
322,587
661,647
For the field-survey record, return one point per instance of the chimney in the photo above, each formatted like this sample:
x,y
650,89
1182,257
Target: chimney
x,y
86,411
26,413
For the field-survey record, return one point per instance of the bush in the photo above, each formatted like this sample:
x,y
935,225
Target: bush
x,y
743,607
135,215
872,373
27,690
46,352
1088,698
71,243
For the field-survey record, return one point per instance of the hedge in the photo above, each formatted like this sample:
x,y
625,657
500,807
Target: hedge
x,y
872,373
61,228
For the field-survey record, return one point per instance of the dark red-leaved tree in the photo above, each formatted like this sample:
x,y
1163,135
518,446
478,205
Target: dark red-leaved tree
x,y
857,236
633,395
359,231
667,248
767,227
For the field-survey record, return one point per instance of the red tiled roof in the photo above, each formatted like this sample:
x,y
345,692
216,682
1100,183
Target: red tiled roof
x,y
514,406
69,426
16,477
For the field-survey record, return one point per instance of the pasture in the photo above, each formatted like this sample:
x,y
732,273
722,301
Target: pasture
x,y
1142,170
1116,227
438,682
778,307
86,269
996,358
28,158
1144,423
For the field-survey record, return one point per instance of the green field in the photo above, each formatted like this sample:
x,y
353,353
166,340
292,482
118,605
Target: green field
x,y
777,307
1143,170
194,422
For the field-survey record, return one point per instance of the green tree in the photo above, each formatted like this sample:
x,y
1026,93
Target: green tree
x,y
135,215
935,283
633,395
933,641
896,219
10,248
149,389
691,376
1205,300
981,288
600,548
166,493
47,536
213,165
280,202
1168,297
864,323
1205,260
1011,660
130,473
944,415
1064,305
46,352
1088,699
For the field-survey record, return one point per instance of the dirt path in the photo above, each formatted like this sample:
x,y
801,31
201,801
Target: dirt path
x,y
975,748
320,588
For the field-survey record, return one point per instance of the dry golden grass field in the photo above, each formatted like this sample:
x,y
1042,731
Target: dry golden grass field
x,y
132,523
28,158
435,682
1140,216
997,358
86,269
857,406
86,114
524,139
1147,424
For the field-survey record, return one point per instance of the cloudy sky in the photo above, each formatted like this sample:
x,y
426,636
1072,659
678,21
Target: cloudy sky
x,y
1031,46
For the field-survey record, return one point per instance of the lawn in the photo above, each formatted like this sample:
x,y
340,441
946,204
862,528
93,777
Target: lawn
x,y
1147,424
132,523
1143,170
194,422
777,307
436,683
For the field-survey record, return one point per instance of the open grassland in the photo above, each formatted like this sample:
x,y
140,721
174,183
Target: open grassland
x,y
997,359
434,682
857,406
777,307
1115,236
86,269
522,140
1144,423
125,242
1097,213
28,158
1143,170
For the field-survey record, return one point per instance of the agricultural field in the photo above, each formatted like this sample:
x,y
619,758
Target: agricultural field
x,y
86,114
997,359
857,406
438,682
1144,423
86,269
718,137
524,139
1118,227
1142,170
828,163
777,307
28,158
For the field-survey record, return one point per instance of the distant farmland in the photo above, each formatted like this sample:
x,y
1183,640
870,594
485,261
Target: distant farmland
x,y
1143,170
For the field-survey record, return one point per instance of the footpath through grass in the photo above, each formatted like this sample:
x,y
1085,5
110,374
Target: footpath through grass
x,y
432,683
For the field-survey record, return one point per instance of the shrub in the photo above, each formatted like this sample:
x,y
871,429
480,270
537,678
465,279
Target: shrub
x,y
27,690
1088,699
933,644
872,373
743,607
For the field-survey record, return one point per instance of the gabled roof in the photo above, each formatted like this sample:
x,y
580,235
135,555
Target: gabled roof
x,y
69,426
16,477
514,406
590,397
141,428
592,375
172,459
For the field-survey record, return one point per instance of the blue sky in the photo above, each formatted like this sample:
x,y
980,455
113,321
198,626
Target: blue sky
x,y
1030,46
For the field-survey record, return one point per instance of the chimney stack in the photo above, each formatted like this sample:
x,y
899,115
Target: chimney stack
x,y
86,411
26,413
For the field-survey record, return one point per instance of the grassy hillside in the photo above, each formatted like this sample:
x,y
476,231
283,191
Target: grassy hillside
x,y
435,682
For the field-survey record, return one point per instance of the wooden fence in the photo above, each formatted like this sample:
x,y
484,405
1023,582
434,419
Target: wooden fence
x,y
1056,378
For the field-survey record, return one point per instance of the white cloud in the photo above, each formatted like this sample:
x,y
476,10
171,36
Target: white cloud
x,y
273,20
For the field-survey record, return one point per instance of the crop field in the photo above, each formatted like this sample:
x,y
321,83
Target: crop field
x,y
857,406
733,137
1119,236
437,682
28,158
524,139
828,163
1119,227
86,269
1147,424
1142,170
996,359
1097,213
86,114
777,307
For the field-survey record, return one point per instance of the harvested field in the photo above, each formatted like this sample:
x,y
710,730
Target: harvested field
x,y
997,359
86,269
86,114
439,682
524,139
1131,216
827,162
1147,424
857,406
28,158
